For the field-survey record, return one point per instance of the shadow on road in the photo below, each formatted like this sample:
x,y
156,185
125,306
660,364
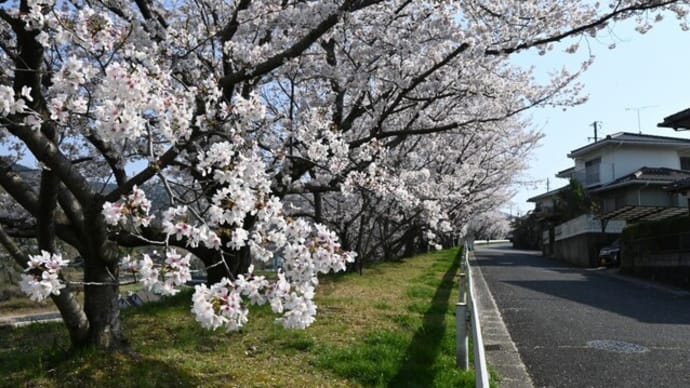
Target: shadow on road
x,y
636,300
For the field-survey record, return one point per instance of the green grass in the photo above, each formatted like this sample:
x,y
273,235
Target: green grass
x,y
391,357
394,326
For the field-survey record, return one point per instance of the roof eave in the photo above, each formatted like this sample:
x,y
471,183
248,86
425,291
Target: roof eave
x,y
548,194
678,121
631,182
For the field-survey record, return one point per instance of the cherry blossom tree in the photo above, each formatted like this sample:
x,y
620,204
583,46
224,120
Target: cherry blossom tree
x,y
382,119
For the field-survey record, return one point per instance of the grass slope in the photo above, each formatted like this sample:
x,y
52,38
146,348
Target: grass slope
x,y
394,326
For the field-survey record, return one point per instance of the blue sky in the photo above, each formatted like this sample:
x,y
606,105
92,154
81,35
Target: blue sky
x,y
650,71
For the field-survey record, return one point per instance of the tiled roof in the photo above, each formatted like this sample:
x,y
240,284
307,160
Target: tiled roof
x,y
653,175
680,185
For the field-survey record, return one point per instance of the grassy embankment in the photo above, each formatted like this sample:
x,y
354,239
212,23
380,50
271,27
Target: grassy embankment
x,y
394,326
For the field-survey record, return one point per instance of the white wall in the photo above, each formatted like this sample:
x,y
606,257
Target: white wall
x,y
627,160
586,223
620,161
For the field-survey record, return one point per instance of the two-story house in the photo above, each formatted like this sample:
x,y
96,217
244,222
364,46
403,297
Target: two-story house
x,y
629,176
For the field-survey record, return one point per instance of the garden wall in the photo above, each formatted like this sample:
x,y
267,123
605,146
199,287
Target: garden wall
x,y
658,250
581,250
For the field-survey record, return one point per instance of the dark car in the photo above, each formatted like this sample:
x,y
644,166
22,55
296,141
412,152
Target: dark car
x,y
610,255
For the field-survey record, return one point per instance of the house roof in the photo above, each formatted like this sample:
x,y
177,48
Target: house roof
x,y
679,186
659,176
630,138
678,121
566,173
632,213
646,175
547,194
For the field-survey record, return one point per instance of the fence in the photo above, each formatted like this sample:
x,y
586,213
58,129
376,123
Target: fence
x,y
670,242
467,318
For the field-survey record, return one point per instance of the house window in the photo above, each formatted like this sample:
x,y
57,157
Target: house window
x,y
592,171
685,162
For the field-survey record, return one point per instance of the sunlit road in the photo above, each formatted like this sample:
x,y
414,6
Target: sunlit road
x,y
576,327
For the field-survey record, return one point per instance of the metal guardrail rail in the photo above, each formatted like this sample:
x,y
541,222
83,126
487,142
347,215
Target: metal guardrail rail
x,y
466,319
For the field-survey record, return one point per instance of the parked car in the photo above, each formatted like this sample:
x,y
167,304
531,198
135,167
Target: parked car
x,y
610,255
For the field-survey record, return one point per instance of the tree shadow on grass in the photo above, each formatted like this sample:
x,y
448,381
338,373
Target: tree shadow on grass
x,y
39,355
427,341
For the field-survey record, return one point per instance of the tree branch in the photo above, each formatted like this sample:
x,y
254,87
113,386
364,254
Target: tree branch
x,y
297,48
575,31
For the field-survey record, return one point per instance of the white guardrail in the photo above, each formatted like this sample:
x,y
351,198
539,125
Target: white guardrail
x,y
467,318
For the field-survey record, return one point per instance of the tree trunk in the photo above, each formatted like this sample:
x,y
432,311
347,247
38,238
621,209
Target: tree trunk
x,y
72,313
73,316
387,255
318,212
101,306
215,270
238,263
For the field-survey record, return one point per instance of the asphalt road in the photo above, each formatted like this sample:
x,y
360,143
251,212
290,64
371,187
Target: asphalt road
x,y
577,327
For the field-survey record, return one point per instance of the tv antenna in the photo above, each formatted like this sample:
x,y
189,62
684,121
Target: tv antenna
x,y
638,109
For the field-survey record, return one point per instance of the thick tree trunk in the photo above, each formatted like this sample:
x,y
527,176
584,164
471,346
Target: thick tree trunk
x,y
101,306
410,245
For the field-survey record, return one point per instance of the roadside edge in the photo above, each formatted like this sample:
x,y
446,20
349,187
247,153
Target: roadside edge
x,y
501,352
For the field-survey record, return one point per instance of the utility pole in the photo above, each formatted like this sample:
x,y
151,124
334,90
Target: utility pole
x,y
596,125
638,109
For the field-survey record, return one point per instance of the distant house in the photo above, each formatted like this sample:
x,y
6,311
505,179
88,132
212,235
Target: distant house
x,y
631,177
544,204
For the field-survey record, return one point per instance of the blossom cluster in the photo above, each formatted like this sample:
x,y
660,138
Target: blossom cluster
x,y
162,275
10,105
42,275
134,207
221,305
305,249
313,250
175,222
244,192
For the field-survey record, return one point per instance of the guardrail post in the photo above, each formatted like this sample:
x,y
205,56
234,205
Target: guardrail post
x,y
466,318
461,340
461,335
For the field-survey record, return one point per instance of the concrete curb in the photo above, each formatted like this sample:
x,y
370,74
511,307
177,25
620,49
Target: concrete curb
x,y
501,353
27,319
136,299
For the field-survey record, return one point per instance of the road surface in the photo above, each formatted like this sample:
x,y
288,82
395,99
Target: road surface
x,y
576,327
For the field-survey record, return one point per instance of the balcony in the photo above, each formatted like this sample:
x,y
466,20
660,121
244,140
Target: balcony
x,y
597,174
